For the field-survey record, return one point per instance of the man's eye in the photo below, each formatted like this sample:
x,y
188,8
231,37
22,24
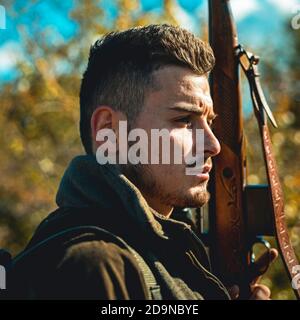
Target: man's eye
x,y
186,120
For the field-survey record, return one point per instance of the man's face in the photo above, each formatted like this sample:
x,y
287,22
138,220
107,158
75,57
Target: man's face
x,y
181,102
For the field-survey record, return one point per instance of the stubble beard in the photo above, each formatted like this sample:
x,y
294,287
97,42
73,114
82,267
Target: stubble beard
x,y
142,177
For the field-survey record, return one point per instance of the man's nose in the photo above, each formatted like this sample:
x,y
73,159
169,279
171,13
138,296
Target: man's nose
x,y
211,144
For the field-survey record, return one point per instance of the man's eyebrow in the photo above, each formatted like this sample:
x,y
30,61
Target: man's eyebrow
x,y
191,109
194,109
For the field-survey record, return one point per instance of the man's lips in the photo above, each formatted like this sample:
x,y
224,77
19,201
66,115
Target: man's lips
x,y
204,175
204,171
206,168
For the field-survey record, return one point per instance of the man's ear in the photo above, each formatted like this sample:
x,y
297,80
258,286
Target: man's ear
x,y
104,117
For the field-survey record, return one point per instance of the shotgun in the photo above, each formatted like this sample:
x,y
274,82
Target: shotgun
x,y
240,214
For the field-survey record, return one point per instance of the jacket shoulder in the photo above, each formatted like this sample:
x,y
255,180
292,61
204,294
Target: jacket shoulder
x,y
95,269
101,270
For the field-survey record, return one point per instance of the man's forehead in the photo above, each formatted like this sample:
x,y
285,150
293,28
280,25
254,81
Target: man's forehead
x,y
176,76
193,97
180,83
191,83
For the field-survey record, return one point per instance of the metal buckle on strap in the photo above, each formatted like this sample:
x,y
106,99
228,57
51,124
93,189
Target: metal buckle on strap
x,y
249,63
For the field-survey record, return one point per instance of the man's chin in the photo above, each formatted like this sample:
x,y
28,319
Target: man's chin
x,y
200,200
199,195
195,199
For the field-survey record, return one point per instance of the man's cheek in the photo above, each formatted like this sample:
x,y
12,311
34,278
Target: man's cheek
x,y
182,145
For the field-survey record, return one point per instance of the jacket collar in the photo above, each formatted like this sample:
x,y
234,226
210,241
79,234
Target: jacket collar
x,y
89,184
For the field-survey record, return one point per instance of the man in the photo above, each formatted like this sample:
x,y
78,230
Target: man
x,y
155,77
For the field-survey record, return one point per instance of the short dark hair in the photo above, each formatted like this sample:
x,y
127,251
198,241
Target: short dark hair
x,y
121,64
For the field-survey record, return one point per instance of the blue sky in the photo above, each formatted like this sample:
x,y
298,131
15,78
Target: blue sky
x,y
260,23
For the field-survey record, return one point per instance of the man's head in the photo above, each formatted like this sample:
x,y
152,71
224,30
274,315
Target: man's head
x,y
154,77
